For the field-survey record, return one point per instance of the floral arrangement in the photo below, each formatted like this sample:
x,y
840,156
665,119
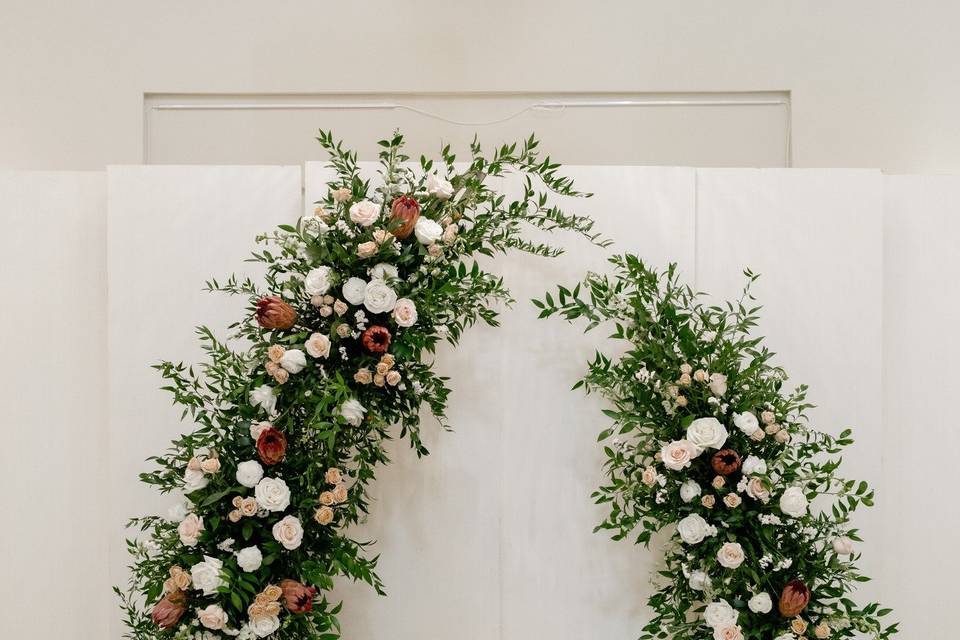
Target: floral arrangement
x,y
708,444
289,430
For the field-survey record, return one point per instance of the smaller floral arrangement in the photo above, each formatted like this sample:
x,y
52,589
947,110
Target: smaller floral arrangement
x,y
710,448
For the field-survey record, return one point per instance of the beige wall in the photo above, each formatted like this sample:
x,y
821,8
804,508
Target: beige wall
x,y
873,82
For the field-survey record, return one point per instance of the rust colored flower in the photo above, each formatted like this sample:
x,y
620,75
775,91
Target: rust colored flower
x,y
271,446
274,313
168,611
725,462
376,339
297,597
794,599
403,216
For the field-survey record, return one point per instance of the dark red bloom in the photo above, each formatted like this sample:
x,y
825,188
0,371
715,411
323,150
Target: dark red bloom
x,y
794,599
725,462
403,216
376,339
168,611
297,597
274,313
271,446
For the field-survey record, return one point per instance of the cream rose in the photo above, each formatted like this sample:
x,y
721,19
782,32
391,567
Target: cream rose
x,y
693,529
793,502
353,412
718,384
677,455
843,546
272,494
353,290
760,603
439,188
318,345
288,532
746,422
264,626
323,515
293,360
706,433
405,313
730,555
378,297
318,281
427,231
206,575
728,632
189,529
649,476
249,473
720,614
757,490
212,617
367,249
364,213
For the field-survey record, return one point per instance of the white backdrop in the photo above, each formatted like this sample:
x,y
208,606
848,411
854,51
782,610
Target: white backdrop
x,y
489,537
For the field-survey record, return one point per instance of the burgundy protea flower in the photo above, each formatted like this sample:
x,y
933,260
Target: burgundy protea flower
x,y
297,597
376,339
271,446
274,313
794,599
725,462
168,611
403,216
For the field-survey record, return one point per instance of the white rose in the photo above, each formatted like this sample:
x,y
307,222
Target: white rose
x,y
313,225
288,532
439,188
353,412
692,529
728,632
760,603
720,614
206,575
263,627
718,384
178,511
427,231
317,281
843,546
706,433
678,454
272,494
293,360
249,559
194,480
689,490
793,502
384,271
263,397
364,213
212,617
730,555
249,473
353,290
699,581
378,297
752,465
318,345
405,313
786,636
189,529
746,422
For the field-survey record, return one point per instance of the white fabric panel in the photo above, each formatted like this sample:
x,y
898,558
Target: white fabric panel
x,y
170,229
53,391
815,236
921,309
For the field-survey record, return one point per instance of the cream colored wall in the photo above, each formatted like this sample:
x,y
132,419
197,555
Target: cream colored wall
x,y
873,81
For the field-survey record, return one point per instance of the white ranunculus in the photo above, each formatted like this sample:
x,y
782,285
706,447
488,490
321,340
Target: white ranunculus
x,y
272,494
206,575
730,555
843,546
293,360
189,529
318,281
249,559
706,433
678,454
353,412
364,213
264,398
405,312
752,465
720,614
212,617
692,529
379,297
746,422
318,345
354,290
699,581
263,627
760,603
384,271
427,231
249,473
689,490
439,188
793,502
194,480
288,532
718,384
179,510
